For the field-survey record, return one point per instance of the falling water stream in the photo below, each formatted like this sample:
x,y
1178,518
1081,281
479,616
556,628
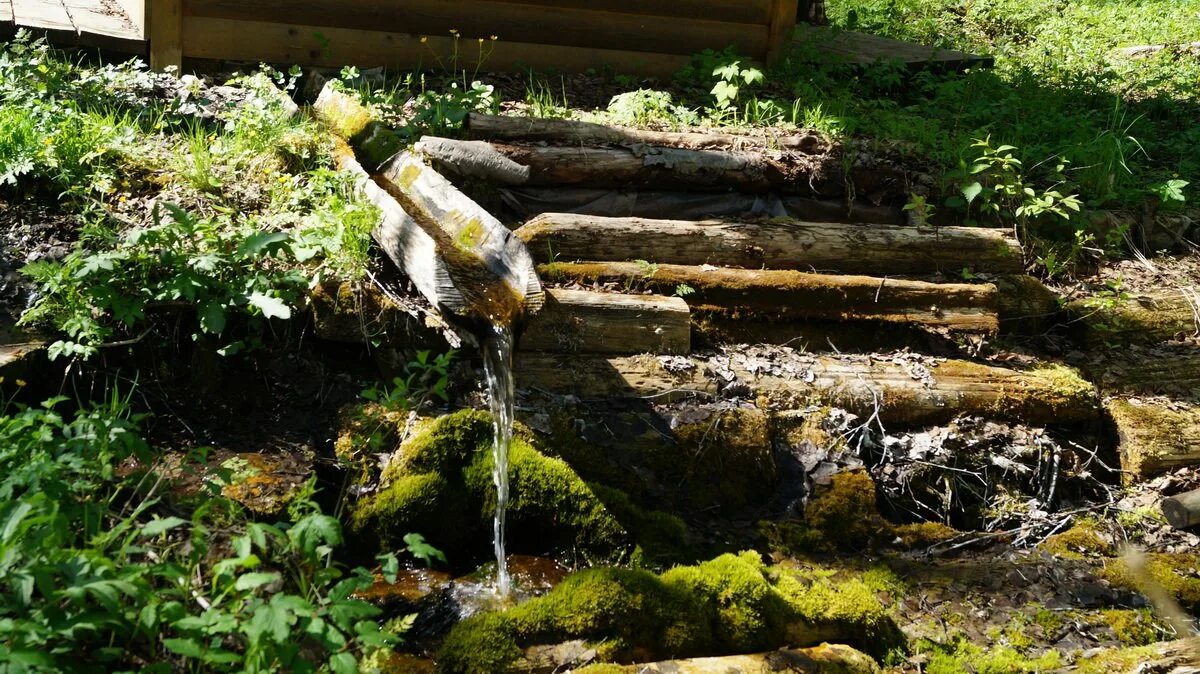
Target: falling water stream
x,y
497,365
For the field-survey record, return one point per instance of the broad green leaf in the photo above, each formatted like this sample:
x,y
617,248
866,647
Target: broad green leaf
x,y
971,191
343,663
250,581
161,525
212,317
271,307
262,242
188,648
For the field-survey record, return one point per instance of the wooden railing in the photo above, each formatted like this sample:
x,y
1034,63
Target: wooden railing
x,y
635,36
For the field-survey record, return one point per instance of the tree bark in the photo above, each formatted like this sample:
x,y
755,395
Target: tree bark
x,y
1146,319
1155,439
572,132
1182,511
902,392
793,294
578,321
841,248
823,659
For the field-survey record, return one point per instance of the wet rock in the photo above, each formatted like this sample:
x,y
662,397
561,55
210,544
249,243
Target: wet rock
x,y
263,482
406,593
556,658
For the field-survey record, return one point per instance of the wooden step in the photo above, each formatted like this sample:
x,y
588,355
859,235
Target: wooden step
x,y
1155,438
777,244
902,389
579,321
793,294
1143,319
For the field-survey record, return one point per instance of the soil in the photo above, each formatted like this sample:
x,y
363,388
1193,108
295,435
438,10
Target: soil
x,y
29,231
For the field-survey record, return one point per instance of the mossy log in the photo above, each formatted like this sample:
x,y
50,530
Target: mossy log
x,y
793,294
657,167
463,260
777,244
580,321
823,659
1154,438
1158,372
573,132
929,393
1159,317
1183,510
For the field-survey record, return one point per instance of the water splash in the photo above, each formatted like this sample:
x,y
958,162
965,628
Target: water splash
x,y
497,365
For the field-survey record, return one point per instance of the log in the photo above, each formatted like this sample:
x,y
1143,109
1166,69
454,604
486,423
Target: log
x,y
1182,511
777,244
903,392
573,132
793,294
1157,317
1142,51
823,659
578,321
1181,656
1153,438
655,167
531,201
1161,371
461,258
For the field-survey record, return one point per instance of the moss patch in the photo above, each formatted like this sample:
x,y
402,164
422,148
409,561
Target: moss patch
x,y
732,604
963,656
1131,627
1081,540
1177,573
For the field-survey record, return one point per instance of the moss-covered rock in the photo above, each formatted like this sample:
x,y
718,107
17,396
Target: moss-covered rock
x,y
732,604
1132,627
439,483
1083,539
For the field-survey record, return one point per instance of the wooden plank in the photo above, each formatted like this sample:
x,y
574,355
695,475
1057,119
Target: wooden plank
x,y
137,12
324,46
481,19
732,11
165,33
777,244
864,385
6,12
104,24
579,321
797,295
50,15
780,27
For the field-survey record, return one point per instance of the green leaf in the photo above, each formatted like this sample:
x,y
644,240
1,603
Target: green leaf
x,y
250,581
212,317
263,242
343,663
270,621
161,525
971,191
271,307
421,550
188,648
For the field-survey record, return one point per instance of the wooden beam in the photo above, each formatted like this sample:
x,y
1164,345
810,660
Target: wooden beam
x,y
289,43
780,28
902,392
474,20
798,295
777,244
574,132
580,321
47,15
165,33
6,12
1156,317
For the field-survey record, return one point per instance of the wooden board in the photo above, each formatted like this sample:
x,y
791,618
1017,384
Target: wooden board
x,y
104,24
6,12
929,394
474,19
50,15
285,43
777,244
579,321
793,295
166,34
1153,438
865,49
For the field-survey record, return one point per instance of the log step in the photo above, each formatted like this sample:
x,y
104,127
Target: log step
x,y
793,294
579,321
842,248
1157,317
903,390
1155,438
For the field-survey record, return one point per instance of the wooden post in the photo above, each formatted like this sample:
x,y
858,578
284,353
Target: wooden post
x,y
1182,511
165,33
780,29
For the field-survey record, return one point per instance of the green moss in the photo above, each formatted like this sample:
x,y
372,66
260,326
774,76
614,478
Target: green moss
x,y
425,502
1049,621
963,656
1131,627
731,604
662,537
445,445
1082,539
1176,573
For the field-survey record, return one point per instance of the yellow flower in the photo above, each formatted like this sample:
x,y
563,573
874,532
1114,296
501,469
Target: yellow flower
x,y
454,32
494,38
122,198
21,383
480,40
424,39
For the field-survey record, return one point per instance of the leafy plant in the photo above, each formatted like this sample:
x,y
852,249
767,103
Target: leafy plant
x,y
425,378
646,107
732,79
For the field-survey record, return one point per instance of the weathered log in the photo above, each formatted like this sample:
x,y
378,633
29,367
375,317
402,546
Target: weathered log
x,y
1181,656
650,166
531,201
793,294
1025,304
823,659
573,132
1158,317
777,244
1159,371
1183,510
1155,439
1142,51
578,321
463,260
900,391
